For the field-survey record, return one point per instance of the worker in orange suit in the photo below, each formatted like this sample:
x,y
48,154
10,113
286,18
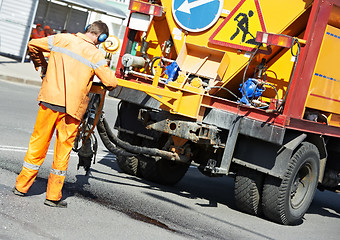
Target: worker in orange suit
x,y
37,32
48,31
63,97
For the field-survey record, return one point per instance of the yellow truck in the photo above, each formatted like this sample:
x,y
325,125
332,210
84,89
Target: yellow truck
x,y
245,88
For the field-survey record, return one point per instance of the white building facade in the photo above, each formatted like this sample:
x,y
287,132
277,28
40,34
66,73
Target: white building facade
x,y
17,18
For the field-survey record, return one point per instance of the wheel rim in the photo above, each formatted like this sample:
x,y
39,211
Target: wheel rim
x,y
301,185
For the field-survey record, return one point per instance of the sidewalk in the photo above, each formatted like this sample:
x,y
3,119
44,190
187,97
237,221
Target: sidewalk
x,y
14,71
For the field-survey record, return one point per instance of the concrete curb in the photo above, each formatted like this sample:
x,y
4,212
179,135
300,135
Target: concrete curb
x,y
20,80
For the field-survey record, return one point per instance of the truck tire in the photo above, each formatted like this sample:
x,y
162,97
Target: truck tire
x,y
286,201
162,171
248,191
128,165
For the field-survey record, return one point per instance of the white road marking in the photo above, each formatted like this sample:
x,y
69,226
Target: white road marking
x,y
49,152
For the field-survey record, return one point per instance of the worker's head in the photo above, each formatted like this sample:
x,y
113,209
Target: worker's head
x,y
99,29
48,31
38,26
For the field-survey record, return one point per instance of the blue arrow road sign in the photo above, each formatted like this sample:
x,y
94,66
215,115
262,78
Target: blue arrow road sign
x,y
196,15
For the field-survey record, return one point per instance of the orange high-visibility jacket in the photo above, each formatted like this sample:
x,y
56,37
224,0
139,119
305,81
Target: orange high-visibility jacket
x,y
73,61
35,34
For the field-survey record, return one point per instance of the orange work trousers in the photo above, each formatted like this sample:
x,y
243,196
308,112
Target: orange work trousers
x,y
66,131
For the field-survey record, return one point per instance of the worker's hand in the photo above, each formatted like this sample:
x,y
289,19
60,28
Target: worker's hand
x,y
109,88
43,70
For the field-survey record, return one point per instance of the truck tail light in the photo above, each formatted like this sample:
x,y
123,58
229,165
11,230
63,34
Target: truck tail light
x,y
274,39
147,8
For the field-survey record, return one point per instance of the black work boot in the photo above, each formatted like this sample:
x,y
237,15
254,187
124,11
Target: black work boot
x,y
60,203
18,193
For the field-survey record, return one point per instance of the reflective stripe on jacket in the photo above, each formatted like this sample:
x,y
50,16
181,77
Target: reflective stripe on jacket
x,y
73,61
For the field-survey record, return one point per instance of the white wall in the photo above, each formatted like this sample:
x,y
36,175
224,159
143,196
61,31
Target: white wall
x,y
16,19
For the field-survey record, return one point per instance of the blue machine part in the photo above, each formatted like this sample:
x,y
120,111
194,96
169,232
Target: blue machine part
x,y
172,72
251,90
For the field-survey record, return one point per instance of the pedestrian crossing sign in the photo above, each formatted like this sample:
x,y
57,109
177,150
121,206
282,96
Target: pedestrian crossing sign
x,y
240,27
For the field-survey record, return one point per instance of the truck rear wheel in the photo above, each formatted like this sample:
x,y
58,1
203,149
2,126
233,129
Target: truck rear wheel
x,y
128,165
248,190
162,171
286,201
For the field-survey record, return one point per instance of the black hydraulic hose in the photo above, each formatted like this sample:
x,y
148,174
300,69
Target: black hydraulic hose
x,y
152,62
110,140
292,76
245,72
226,89
277,94
108,144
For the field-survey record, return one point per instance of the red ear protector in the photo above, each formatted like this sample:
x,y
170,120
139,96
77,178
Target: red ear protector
x,y
101,38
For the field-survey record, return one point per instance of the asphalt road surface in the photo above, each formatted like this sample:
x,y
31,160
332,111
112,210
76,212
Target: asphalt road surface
x,y
112,205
